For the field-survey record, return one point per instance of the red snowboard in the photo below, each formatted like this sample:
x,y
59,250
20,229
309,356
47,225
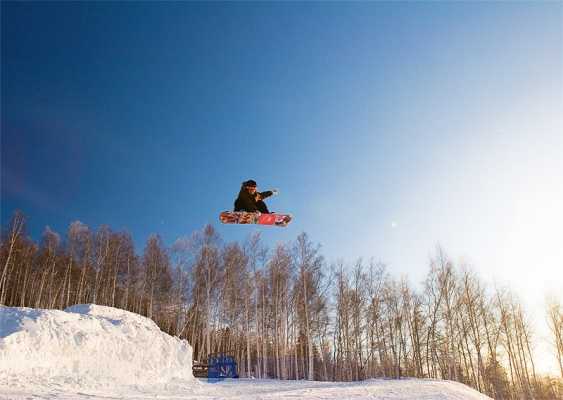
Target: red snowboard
x,y
243,217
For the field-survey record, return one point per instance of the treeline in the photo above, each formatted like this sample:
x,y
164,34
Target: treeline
x,y
285,312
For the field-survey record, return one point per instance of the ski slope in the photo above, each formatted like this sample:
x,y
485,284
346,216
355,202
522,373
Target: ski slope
x,y
95,352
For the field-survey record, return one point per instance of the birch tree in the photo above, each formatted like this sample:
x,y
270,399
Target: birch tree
x,y
555,323
308,263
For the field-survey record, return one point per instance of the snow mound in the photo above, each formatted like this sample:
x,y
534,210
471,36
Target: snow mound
x,y
88,346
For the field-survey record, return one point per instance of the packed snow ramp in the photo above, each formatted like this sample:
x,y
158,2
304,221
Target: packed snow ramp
x,y
88,346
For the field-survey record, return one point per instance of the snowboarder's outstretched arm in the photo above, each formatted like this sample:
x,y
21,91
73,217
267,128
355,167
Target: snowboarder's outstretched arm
x,y
266,194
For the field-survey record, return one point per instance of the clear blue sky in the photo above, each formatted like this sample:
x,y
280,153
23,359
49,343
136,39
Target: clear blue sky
x,y
387,127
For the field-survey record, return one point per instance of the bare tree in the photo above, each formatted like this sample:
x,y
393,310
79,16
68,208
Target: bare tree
x,y
308,263
256,255
207,277
555,323
157,273
14,234
279,275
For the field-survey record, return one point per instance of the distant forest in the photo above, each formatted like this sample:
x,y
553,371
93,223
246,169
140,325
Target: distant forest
x,y
286,312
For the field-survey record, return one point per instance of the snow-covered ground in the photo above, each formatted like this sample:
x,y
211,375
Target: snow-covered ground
x,y
247,389
95,352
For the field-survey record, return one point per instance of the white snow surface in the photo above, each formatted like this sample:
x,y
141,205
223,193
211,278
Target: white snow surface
x,y
87,346
94,352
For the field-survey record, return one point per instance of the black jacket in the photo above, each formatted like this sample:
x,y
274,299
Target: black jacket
x,y
246,202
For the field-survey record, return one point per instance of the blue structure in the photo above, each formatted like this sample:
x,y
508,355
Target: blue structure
x,y
221,366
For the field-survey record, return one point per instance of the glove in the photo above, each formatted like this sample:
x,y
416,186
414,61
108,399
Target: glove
x,y
275,192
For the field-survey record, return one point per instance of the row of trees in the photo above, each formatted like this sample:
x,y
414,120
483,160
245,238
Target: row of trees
x,y
285,312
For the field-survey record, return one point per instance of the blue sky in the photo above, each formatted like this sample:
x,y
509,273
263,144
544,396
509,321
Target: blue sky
x,y
387,127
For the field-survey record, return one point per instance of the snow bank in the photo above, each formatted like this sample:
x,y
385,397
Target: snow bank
x,y
88,346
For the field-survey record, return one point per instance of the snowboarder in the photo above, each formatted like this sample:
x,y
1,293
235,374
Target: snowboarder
x,y
251,209
250,200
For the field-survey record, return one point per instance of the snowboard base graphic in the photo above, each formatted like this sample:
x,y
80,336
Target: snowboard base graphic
x,y
243,217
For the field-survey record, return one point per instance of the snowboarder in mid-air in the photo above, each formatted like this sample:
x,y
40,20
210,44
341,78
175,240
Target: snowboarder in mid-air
x,y
250,200
251,209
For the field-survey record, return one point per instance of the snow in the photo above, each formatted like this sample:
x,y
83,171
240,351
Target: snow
x,y
88,346
94,352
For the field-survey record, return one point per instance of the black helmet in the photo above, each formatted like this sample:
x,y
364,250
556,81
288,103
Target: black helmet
x,y
249,183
